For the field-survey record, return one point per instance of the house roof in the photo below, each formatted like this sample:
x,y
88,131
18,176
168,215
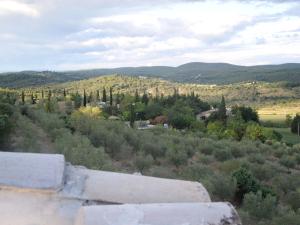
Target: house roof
x,y
76,195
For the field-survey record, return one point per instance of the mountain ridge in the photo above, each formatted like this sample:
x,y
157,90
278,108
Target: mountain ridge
x,y
192,72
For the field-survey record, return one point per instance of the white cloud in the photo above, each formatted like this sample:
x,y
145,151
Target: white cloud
x,y
14,7
98,33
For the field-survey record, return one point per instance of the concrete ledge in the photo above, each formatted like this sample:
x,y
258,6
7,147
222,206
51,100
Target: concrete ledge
x,y
113,187
31,171
159,214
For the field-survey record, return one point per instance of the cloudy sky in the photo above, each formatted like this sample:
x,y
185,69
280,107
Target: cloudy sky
x,y
83,34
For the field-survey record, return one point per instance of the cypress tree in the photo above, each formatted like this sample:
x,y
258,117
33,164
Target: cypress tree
x,y
137,97
23,97
42,94
145,99
118,99
98,95
156,94
65,94
132,115
77,100
222,110
104,95
32,99
49,95
84,98
295,126
110,96
90,97
48,106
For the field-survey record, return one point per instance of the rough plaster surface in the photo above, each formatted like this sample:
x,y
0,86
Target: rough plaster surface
x,y
159,214
126,188
33,208
32,171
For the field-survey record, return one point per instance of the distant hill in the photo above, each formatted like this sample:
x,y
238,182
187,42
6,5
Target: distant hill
x,y
194,72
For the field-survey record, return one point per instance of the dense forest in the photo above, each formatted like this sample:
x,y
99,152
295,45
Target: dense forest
x,y
99,123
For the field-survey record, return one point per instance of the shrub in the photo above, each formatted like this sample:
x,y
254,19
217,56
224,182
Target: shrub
x,y
293,199
245,182
79,151
229,166
223,187
288,161
223,154
258,206
257,158
263,172
153,148
196,172
143,162
177,156
254,132
287,218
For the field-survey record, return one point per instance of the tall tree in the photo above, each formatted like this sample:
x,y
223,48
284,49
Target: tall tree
x,y
295,126
132,115
77,100
84,98
156,94
90,97
104,96
110,96
98,95
118,99
32,99
145,98
42,94
65,94
49,95
137,97
48,105
222,110
23,97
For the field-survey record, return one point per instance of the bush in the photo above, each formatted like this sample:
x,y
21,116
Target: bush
x,y
223,187
288,161
287,218
143,162
177,156
258,206
79,151
223,154
257,158
153,148
293,199
245,183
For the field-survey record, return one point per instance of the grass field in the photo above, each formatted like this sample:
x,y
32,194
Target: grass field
x,y
276,114
288,136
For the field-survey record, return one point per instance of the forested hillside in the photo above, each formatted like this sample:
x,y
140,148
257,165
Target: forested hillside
x,y
201,73
255,94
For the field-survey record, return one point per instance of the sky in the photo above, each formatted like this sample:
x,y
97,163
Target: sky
x,y
86,34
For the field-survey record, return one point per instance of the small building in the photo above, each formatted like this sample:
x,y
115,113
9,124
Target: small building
x,y
206,114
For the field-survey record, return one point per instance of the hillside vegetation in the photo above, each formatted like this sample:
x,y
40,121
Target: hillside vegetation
x,y
196,72
254,94
235,158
